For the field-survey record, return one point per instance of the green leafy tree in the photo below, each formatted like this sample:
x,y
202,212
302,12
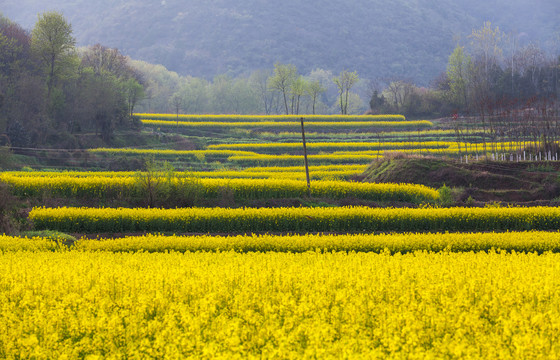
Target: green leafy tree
x,y
458,68
105,61
259,82
282,80
133,92
196,93
53,44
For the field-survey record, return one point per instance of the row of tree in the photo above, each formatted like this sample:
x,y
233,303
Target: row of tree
x,y
491,66
266,91
50,91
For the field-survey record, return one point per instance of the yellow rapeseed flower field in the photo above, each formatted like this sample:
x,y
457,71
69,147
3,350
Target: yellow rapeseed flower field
x,y
279,172
93,305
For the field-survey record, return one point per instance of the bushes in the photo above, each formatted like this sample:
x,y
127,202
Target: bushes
x,y
167,190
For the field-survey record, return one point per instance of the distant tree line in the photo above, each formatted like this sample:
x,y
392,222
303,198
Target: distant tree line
x,y
508,92
50,91
491,66
281,90
491,69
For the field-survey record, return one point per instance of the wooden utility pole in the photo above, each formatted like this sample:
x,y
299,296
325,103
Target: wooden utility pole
x,y
305,159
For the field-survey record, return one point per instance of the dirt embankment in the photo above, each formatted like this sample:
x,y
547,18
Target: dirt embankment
x,y
523,183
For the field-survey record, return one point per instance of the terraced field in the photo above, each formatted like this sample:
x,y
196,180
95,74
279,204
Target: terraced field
x,y
224,251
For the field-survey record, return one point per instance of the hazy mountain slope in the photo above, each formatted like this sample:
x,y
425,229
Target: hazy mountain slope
x,y
410,38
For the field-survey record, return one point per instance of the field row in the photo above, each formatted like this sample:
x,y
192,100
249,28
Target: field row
x,y
132,186
378,136
319,156
279,305
325,172
313,147
357,147
302,220
527,241
315,125
233,118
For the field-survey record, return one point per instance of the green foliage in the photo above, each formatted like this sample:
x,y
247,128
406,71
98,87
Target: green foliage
x,y
458,69
50,234
314,90
17,134
49,92
133,93
53,44
445,196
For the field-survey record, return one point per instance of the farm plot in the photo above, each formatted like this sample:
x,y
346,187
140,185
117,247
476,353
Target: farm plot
x,y
241,188
228,304
522,242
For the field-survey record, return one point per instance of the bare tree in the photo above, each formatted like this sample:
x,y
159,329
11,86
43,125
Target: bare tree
x,y
104,59
177,102
259,81
399,92
344,82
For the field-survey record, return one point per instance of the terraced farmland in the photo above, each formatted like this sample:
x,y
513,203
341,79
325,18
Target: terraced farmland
x,y
222,250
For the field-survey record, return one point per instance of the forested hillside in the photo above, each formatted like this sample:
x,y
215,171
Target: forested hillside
x,y
402,38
